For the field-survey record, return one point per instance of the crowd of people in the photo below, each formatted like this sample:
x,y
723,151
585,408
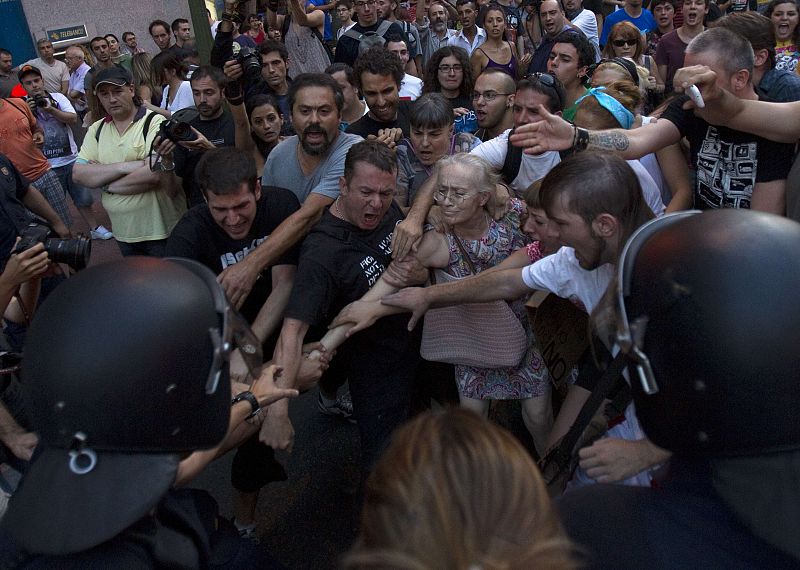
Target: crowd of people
x,y
282,208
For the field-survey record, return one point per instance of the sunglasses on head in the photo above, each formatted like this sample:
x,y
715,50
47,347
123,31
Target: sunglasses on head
x,y
548,80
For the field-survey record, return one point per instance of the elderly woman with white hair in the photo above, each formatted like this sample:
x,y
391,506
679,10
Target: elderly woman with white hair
x,y
473,243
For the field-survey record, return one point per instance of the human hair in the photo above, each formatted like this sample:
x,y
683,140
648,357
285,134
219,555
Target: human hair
x,y
41,41
4,51
625,92
460,3
583,47
75,49
372,152
611,188
166,60
111,36
346,3
774,4
509,85
96,39
315,80
140,69
656,3
344,68
491,7
624,31
211,72
431,110
455,491
431,80
484,177
253,103
379,61
268,46
155,23
755,28
732,51
555,93
533,195
125,36
176,24
223,170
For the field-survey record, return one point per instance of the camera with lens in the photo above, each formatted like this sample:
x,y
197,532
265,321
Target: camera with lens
x,y
250,60
176,130
74,252
41,100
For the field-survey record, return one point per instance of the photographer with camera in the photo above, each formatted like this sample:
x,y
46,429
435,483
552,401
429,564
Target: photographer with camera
x,y
302,35
127,156
56,115
213,127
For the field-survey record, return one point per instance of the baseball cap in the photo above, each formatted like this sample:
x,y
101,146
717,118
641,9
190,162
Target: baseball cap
x,y
26,69
115,75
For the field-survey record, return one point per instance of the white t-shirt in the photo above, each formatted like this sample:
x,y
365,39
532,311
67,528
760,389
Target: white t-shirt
x,y
52,75
650,190
343,30
183,98
562,275
531,169
587,23
410,87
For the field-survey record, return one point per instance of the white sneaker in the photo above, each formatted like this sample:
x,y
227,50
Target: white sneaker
x,y
100,232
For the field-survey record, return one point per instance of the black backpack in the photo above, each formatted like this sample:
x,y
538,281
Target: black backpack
x,y
368,40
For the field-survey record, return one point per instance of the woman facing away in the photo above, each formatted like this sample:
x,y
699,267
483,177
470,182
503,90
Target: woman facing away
x,y
455,492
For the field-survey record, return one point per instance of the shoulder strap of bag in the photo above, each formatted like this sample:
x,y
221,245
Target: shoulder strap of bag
x,y
145,129
512,162
464,254
327,48
383,28
567,444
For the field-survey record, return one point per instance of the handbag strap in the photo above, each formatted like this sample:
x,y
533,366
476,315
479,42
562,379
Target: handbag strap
x,y
567,444
464,254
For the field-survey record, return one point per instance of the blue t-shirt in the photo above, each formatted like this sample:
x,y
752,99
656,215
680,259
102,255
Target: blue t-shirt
x,y
645,22
327,33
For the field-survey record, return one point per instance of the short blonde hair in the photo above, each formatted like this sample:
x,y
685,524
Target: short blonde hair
x,y
454,491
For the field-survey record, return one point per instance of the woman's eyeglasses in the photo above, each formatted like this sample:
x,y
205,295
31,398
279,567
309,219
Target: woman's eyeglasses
x,y
448,68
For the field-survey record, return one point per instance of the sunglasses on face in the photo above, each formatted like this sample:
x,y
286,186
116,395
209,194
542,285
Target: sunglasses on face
x,y
623,43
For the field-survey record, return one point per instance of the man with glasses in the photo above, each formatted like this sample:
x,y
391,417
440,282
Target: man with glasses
x,y
369,28
493,102
632,12
521,170
129,39
344,16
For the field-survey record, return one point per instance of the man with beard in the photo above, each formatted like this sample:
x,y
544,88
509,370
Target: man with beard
x,y
309,164
102,56
8,78
493,101
160,32
213,127
433,30
554,23
378,74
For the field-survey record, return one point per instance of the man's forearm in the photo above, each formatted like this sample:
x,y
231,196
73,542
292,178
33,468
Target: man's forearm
x,y
497,285
64,117
139,181
423,201
288,355
97,175
271,313
36,203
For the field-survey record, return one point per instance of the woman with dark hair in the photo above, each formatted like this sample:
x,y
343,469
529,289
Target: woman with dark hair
x,y
450,74
168,70
117,55
495,51
258,126
455,491
784,16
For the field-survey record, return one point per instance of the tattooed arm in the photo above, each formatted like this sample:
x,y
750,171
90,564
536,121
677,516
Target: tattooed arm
x,y
554,133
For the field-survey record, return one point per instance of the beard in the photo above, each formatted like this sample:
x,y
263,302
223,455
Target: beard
x,y
439,26
315,149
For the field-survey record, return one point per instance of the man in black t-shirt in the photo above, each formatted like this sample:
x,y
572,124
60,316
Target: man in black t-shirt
x,y
213,123
368,25
238,216
378,74
343,256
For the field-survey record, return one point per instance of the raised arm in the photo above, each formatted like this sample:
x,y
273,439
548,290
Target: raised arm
x,y
313,19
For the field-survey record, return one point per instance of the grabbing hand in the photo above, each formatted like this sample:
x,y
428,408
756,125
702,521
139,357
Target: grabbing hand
x,y
266,391
405,272
361,314
277,432
26,265
701,76
237,280
200,143
611,460
460,112
164,147
406,235
21,443
411,299
550,133
390,137
233,70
